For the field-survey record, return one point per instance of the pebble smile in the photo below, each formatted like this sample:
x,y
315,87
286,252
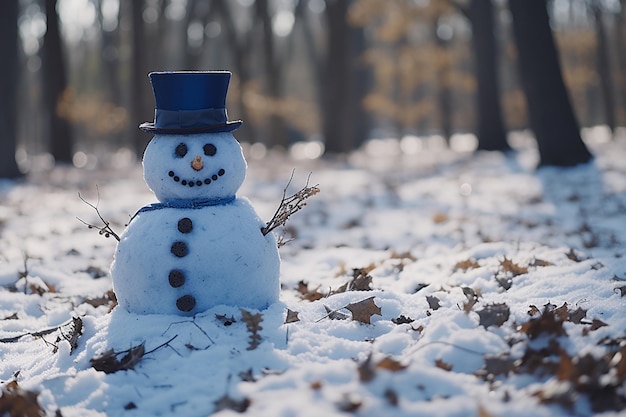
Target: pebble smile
x,y
196,183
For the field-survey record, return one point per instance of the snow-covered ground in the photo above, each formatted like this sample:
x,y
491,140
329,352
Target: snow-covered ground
x,y
434,283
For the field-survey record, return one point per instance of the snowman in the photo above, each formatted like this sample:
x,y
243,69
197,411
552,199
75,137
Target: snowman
x,y
200,246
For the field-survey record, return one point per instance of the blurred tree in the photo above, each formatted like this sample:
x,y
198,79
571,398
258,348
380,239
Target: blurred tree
x,y
620,42
139,85
443,77
8,89
110,56
61,139
239,45
489,125
274,64
551,114
603,66
343,75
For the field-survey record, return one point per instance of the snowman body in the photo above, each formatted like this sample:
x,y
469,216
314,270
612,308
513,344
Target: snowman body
x,y
200,246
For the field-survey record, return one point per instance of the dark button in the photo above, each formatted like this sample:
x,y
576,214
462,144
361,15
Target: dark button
x,y
179,249
177,278
185,225
186,303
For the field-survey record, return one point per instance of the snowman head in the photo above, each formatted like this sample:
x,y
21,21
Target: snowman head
x,y
194,166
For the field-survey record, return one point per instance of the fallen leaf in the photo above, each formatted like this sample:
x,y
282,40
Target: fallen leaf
x,y
576,316
17,402
572,256
484,413
335,314
433,302
225,320
548,323
439,218
595,325
108,362
533,310
497,365
540,263
494,315
443,365
366,370
402,320
307,294
11,317
466,264
390,364
510,266
349,403
108,299
247,376
420,287
391,396
362,311
316,385
292,316
226,402
361,281
253,325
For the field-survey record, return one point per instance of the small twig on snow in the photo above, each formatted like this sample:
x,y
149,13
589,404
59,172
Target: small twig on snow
x,y
290,205
105,230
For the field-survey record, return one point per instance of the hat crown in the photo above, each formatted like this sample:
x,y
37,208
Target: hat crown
x,y
190,102
182,90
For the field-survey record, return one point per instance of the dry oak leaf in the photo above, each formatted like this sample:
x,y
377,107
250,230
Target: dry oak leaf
x,y
362,311
433,302
443,365
549,322
108,362
17,402
292,316
390,364
510,266
466,264
228,403
253,325
494,315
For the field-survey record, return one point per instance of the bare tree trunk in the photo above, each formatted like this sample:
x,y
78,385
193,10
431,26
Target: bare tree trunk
x,y
620,42
274,72
341,101
138,79
490,127
550,111
240,50
444,95
55,83
603,65
8,89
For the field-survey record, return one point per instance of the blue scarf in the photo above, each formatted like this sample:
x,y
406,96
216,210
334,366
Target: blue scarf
x,y
196,203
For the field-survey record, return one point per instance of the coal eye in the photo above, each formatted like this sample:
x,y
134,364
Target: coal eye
x,y
181,150
209,149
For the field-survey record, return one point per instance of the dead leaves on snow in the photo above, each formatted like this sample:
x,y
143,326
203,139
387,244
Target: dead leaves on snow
x,y
362,311
18,402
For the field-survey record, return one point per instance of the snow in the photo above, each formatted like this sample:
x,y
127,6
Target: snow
x,y
433,230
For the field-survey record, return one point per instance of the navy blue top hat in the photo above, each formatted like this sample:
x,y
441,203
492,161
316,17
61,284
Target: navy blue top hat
x,y
190,102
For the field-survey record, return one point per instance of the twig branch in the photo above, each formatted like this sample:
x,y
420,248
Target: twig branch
x,y
290,205
39,333
105,230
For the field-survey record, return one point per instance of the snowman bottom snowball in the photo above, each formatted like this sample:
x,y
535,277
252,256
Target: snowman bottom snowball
x,y
186,261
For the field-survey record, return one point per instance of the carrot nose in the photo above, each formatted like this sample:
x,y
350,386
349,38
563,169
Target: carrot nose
x,y
197,163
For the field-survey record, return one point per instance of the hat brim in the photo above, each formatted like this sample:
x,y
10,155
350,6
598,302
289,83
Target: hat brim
x,y
226,127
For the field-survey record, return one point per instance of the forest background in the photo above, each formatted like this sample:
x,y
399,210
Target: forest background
x,y
313,76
